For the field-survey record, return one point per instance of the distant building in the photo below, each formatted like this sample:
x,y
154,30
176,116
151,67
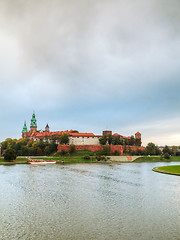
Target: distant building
x,y
75,137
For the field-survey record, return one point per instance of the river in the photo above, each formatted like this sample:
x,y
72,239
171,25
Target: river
x,y
89,202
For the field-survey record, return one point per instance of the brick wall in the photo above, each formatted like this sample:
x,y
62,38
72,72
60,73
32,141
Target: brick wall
x,y
133,148
93,148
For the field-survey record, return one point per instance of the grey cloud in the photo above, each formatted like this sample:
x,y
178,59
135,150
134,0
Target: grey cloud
x,y
62,54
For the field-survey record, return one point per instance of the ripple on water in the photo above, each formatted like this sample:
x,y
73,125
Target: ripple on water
x,y
88,201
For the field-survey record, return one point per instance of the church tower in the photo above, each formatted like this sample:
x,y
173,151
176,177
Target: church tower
x,y
24,131
47,128
33,125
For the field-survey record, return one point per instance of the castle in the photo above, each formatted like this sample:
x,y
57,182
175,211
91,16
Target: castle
x,y
82,141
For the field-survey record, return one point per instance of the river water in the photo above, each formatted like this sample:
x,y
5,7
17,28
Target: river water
x,y
89,201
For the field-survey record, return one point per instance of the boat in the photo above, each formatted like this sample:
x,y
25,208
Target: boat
x,y
38,161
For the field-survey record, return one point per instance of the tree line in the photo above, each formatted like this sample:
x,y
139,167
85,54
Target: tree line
x,y
116,140
152,150
25,147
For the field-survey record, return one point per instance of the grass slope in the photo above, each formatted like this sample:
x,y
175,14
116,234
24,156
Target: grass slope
x,y
175,169
59,159
157,159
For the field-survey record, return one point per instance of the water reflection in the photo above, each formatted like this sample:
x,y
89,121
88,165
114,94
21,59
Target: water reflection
x,y
88,201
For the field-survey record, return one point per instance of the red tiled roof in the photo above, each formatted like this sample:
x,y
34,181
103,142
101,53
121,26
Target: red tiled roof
x,y
46,134
126,137
70,133
59,133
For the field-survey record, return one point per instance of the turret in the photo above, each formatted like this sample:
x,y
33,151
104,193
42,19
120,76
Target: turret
x,y
33,125
138,135
24,131
107,133
138,139
47,128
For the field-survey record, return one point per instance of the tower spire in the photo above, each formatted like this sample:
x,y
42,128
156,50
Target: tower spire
x,y
24,131
33,125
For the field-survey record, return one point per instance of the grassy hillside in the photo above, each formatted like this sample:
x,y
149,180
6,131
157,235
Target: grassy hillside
x,y
175,169
157,159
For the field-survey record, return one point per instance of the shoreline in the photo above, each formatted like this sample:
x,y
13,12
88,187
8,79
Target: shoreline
x,y
80,159
169,170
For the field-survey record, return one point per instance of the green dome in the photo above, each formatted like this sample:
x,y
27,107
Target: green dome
x,y
24,127
33,121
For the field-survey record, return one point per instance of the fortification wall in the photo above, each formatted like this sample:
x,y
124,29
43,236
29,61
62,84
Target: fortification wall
x,y
93,148
84,140
133,148
96,147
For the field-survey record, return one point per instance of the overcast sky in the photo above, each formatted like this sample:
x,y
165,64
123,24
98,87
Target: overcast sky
x,y
91,65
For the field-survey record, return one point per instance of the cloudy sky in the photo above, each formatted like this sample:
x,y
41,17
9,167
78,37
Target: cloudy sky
x,y
91,65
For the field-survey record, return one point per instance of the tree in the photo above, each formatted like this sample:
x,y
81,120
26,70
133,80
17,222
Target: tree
x,y
24,150
72,149
116,140
47,150
166,156
109,139
138,142
103,140
106,150
167,150
151,149
64,138
174,150
10,154
127,142
39,151
63,152
132,141
75,131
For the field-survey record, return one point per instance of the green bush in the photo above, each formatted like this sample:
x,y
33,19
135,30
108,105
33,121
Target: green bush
x,y
106,150
10,155
161,157
63,152
166,156
87,157
101,158
72,149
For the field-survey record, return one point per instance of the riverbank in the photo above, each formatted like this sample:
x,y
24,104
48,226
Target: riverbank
x,y
174,170
59,160
157,159
80,159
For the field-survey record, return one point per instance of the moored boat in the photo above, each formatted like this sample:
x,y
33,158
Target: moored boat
x,y
38,161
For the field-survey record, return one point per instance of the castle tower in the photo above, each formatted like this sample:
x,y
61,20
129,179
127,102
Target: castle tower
x,y
33,125
138,135
24,131
47,128
138,139
107,133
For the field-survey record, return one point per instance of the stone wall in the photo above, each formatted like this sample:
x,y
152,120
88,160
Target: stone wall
x,y
123,158
84,140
